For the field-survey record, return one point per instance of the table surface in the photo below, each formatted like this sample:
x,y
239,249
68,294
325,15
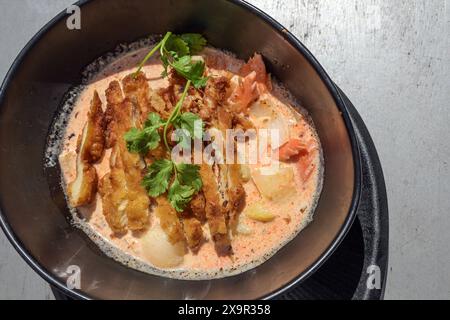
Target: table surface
x,y
392,59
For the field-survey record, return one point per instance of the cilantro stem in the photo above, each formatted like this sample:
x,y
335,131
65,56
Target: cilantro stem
x,y
159,46
163,43
175,113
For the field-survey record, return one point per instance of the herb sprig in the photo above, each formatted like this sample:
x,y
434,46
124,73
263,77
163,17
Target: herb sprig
x,y
142,141
175,52
186,182
181,181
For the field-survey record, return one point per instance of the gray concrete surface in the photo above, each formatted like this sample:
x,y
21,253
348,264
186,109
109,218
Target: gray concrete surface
x,y
392,58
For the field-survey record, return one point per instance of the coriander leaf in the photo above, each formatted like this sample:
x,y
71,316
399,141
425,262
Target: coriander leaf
x,y
189,126
182,65
152,139
189,175
196,74
191,123
153,119
141,141
196,42
191,70
180,195
156,181
183,137
177,46
186,184
135,140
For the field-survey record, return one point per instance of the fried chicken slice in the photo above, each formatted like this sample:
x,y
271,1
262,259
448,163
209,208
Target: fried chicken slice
x,y
229,178
236,194
114,97
193,232
137,209
198,206
137,90
158,104
217,89
214,211
90,148
126,167
169,221
113,190
94,143
200,104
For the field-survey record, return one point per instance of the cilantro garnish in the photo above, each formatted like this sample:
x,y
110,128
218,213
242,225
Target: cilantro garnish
x,y
186,182
190,70
141,141
156,181
189,175
181,181
176,51
185,123
196,42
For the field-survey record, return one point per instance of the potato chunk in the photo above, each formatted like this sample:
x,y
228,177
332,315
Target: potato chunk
x,y
274,183
258,212
157,248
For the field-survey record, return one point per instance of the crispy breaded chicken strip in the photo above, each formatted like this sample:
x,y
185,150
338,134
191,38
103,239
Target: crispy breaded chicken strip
x,y
169,221
114,98
193,232
198,206
137,209
200,104
90,147
230,182
160,101
94,143
214,213
217,89
236,194
113,189
137,90
126,167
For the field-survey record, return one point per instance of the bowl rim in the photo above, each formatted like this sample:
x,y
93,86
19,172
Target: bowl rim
x,y
292,40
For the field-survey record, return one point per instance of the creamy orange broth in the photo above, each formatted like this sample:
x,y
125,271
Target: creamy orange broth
x,y
252,247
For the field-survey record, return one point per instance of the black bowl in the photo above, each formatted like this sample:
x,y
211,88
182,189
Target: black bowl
x,y
33,210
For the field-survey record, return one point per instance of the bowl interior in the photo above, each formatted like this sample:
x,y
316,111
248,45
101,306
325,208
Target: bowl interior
x,y
31,198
